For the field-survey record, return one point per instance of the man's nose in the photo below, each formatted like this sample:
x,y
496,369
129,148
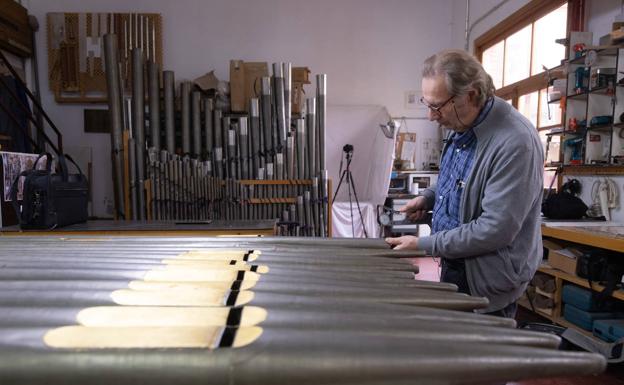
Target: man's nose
x,y
433,116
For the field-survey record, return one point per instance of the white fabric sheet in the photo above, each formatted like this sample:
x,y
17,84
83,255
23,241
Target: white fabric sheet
x,y
371,165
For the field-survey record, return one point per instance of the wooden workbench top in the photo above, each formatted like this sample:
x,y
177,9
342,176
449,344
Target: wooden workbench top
x,y
605,235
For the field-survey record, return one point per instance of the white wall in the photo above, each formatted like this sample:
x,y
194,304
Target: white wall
x,y
600,15
371,50
479,8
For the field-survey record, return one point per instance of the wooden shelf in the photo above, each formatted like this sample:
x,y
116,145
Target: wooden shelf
x,y
556,100
565,323
593,169
611,51
578,96
527,305
565,132
619,294
603,91
590,236
601,127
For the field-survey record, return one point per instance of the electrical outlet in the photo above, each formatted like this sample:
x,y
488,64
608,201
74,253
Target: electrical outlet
x,y
412,100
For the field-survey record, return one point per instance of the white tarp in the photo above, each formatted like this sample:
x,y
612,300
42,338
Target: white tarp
x,y
371,165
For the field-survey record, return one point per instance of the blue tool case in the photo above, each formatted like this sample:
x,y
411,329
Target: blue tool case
x,y
609,330
584,299
585,319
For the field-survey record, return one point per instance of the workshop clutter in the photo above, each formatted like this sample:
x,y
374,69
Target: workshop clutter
x,y
257,155
564,204
541,293
582,308
561,256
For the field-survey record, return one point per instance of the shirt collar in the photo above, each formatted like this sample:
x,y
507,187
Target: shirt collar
x,y
485,110
464,137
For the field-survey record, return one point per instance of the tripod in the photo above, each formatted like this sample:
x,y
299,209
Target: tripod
x,y
348,149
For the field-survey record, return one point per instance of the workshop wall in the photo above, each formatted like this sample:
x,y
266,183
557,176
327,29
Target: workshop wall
x,y
370,49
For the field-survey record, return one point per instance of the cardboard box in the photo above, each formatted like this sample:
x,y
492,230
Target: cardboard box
x,y
237,85
300,76
254,72
564,259
207,81
245,82
552,245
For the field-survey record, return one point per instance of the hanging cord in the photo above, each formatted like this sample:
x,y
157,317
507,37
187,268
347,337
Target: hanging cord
x,y
549,80
612,195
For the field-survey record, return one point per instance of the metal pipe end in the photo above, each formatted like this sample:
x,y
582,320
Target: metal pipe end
x,y
300,126
287,68
311,106
266,85
254,108
321,84
242,124
278,71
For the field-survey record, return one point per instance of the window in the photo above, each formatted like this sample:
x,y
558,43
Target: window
x,y
527,105
547,53
549,113
527,51
516,53
517,56
493,60
517,50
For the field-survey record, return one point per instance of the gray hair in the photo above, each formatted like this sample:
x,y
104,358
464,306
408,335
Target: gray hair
x,y
461,72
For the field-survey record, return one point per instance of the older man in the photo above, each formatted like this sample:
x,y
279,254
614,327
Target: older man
x,y
486,205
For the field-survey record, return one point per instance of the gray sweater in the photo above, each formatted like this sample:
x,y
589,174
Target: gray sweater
x,y
500,237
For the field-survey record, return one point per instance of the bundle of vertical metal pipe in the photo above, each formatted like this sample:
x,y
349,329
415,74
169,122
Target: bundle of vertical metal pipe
x,y
267,164
279,310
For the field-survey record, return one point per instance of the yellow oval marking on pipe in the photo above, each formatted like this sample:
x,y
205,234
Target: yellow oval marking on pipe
x,y
220,252
224,258
130,316
84,337
246,335
220,285
197,275
177,297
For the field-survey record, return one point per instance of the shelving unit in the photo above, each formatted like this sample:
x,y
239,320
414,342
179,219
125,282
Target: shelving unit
x,y
588,97
611,238
557,312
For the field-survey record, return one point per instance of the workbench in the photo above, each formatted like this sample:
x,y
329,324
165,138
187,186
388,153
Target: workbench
x,y
156,228
604,235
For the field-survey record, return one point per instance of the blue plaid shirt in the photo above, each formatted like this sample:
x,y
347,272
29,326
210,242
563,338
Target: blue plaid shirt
x,y
454,170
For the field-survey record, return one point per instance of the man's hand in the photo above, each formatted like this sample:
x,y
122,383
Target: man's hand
x,y
406,242
415,209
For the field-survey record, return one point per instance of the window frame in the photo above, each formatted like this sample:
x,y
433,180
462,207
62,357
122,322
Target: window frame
x,y
528,15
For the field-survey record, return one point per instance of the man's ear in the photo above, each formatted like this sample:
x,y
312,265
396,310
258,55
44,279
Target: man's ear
x,y
473,95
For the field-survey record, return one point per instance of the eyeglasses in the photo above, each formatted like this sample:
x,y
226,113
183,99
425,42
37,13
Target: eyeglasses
x,y
436,109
